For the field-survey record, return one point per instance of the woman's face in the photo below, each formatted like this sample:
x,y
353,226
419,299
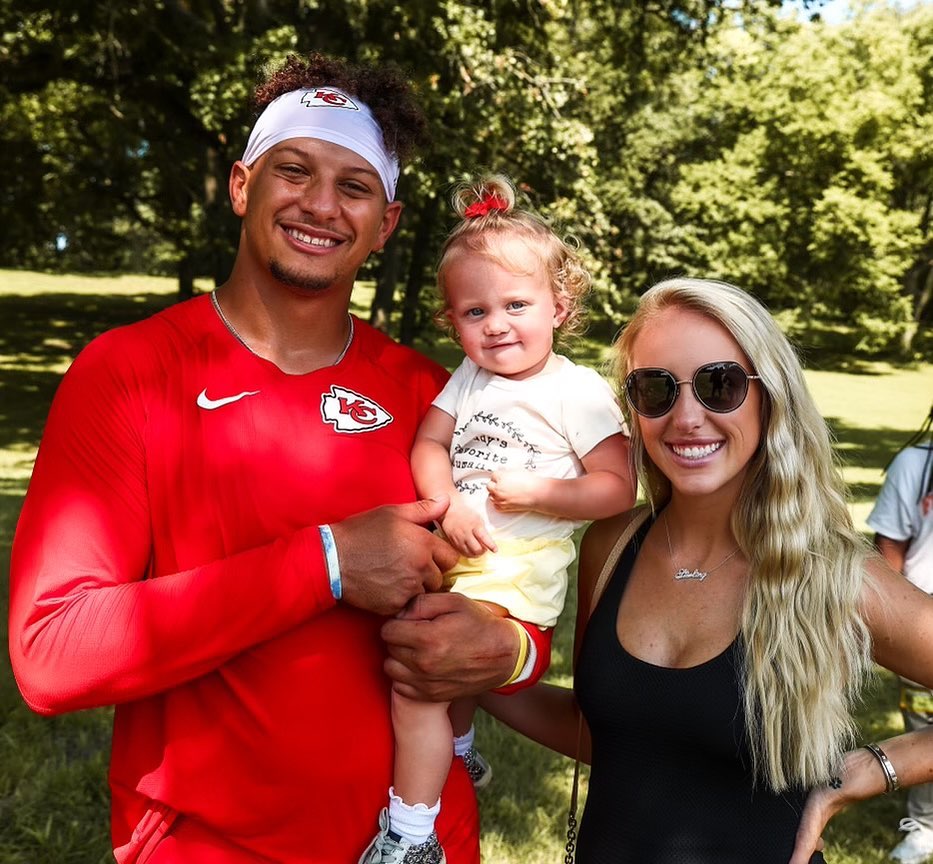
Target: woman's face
x,y
700,451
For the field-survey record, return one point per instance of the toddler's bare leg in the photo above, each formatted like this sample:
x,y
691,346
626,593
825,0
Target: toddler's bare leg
x,y
423,749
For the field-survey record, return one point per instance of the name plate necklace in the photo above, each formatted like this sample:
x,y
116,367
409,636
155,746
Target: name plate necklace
x,y
681,573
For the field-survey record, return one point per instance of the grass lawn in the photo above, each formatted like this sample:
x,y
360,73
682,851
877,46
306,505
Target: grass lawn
x,y
53,796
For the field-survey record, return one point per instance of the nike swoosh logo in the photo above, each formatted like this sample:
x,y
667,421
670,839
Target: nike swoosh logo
x,y
211,404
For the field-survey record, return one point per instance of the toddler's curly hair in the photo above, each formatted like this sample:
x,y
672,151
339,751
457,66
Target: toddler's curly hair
x,y
569,278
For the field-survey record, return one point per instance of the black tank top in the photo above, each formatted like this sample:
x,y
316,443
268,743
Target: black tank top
x,y
671,780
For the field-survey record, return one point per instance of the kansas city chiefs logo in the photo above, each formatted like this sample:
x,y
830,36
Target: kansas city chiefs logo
x,y
351,412
321,97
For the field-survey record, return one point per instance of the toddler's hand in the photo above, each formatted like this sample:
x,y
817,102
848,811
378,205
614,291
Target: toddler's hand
x,y
514,490
466,531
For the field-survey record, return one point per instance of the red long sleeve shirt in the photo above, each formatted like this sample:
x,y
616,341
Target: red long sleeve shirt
x,y
166,560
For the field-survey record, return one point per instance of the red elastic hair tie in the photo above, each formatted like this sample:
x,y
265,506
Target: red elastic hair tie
x,y
489,202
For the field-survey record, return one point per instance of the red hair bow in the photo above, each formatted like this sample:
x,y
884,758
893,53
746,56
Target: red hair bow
x,y
489,202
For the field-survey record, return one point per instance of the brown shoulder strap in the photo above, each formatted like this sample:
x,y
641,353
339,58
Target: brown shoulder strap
x,y
609,566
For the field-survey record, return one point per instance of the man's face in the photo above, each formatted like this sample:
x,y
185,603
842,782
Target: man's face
x,y
312,213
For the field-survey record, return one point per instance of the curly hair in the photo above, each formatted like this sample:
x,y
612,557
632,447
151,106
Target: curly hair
x,y
807,648
384,89
566,272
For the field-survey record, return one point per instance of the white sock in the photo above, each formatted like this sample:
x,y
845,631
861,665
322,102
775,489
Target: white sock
x,y
462,743
411,822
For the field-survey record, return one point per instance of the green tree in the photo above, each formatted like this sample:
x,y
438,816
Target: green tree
x,y
672,136
813,188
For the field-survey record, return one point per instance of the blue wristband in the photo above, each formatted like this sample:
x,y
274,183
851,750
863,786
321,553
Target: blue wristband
x,y
332,561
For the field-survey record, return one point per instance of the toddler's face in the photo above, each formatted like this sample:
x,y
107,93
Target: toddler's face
x,y
505,316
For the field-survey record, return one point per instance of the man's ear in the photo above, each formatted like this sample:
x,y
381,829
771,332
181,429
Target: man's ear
x,y
390,217
239,176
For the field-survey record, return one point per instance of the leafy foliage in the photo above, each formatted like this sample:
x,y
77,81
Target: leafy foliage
x,y
676,136
800,201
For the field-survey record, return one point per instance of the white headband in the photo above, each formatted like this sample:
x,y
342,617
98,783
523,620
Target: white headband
x,y
329,115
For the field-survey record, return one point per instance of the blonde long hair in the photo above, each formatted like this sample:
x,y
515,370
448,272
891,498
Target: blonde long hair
x,y
807,649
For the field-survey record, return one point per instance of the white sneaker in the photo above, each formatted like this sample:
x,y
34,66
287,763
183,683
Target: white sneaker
x,y
388,849
917,846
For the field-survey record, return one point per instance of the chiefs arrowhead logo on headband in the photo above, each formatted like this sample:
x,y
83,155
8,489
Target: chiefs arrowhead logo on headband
x,y
336,118
324,98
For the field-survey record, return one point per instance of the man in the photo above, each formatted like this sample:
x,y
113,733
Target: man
x,y
903,520
188,548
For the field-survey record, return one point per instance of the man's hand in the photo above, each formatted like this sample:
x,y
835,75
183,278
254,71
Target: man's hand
x,y
444,646
387,556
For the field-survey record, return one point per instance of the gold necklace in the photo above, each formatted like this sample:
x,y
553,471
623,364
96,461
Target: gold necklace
x,y
682,572
216,304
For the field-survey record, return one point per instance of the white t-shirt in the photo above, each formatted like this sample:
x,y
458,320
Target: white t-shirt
x,y
545,423
899,515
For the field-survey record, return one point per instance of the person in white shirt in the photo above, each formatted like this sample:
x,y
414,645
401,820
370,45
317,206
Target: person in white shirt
x,y
902,519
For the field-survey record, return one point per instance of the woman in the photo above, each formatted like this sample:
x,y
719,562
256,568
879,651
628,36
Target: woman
x,y
718,672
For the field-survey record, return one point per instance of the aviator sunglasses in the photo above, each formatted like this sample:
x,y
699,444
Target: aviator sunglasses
x,y
720,387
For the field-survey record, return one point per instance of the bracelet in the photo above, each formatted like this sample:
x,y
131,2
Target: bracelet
x,y
524,639
890,775
531,661
332,561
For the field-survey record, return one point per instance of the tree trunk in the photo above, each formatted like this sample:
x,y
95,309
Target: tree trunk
x,y
222,226
186,277
411,326
922,295
926,296
384,299
387,279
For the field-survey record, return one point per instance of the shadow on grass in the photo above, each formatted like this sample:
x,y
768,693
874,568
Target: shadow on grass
x,y
41,335
837,347
862,448
54,801
46,326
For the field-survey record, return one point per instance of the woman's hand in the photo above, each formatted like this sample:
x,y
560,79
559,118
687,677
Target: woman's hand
x,y
861,778
822,804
